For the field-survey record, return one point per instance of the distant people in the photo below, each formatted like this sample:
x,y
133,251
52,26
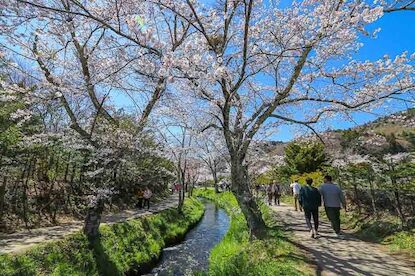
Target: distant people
x,y
334,200
140,196
226,186
310,201
257,188
277,193
147,196
295,186
270,193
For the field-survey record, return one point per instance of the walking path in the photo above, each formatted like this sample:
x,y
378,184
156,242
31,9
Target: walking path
x,y
348,256
20,241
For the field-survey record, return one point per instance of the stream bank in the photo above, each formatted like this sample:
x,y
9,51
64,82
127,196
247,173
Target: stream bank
x,y
192,255
122,248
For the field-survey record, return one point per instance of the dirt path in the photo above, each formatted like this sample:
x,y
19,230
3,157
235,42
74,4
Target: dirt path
x,y
348,256
20,241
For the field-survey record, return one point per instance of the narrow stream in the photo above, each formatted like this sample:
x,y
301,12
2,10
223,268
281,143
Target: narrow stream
x,y
192,255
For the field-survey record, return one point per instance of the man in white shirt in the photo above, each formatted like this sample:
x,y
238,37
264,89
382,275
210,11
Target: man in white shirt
x,y
296,192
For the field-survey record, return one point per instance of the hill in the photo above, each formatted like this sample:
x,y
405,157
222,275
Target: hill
x,y
372,136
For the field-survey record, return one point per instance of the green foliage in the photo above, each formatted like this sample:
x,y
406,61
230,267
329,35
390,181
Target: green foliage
x,y
304,157
265,178
317,177
410,138
393,145
403,241
237,255
349,137
122,247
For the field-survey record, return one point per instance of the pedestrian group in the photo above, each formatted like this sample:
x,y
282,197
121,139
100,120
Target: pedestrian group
x,y
308,199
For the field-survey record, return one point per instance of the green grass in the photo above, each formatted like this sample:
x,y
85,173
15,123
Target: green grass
x,y
384,229
122,247
237,255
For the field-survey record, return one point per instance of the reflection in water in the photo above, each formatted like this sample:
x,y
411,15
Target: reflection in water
x,y
193,253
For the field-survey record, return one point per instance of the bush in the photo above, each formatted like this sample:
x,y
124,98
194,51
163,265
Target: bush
x,y
123,247
317,177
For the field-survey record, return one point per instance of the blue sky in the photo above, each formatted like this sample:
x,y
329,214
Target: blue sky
x,y
397,35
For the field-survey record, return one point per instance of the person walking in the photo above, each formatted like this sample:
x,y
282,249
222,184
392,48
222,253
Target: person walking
x,y
277,193
147,196
257,188
140,196
310,200
334,200
295,186
270,193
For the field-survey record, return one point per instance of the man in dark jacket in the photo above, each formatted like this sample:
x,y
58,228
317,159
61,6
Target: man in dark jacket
x,y
310,200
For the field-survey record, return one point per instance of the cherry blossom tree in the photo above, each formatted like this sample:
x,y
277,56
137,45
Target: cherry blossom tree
x,y
86,56
255,67
397,5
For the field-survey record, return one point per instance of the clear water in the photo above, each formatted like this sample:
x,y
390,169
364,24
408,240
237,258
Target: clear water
x,y
192,255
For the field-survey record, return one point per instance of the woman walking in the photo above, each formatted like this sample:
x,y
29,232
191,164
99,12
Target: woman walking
x,y
147,196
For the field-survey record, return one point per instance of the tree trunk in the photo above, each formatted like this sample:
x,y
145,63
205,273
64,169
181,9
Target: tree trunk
x,y
182,175
215,180
93,220
2,202
356,195
399,207
372,197
246,201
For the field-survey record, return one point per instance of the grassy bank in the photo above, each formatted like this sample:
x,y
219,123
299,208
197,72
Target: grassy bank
x,y
237,255
384,229
123,248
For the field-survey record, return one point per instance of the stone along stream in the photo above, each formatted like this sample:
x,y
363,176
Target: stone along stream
x,y
192,255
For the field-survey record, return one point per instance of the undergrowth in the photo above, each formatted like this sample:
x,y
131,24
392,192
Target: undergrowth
x,y
385,229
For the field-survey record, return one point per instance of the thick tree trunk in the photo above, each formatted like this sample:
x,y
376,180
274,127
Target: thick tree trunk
x,y
247,203
93,220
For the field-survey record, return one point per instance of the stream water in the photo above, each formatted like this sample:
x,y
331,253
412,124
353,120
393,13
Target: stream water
x,y
192,255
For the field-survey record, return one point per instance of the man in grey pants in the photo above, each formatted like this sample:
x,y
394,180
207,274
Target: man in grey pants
x,y
334,200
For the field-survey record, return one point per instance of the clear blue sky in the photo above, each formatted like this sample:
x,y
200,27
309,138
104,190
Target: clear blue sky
x,y
397,35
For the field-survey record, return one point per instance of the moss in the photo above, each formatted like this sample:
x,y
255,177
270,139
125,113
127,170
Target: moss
x,y
123,248
237,255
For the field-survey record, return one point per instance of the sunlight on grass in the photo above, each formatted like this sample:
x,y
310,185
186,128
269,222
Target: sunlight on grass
x,y
237,255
